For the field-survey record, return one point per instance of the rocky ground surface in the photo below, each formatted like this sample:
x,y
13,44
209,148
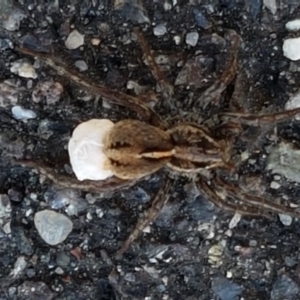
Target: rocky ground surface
x,y
59,243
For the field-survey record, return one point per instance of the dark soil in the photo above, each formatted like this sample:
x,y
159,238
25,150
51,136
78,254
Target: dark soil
x,y
190,252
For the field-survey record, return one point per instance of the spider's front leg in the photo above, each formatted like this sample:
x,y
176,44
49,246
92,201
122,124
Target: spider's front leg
x,y
231,123
113,96
259,120
163,84
213,93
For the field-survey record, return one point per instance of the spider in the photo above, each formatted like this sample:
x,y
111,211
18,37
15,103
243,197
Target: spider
x,y
199,151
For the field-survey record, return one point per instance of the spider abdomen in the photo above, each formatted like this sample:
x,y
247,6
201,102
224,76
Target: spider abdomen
x,y
136,149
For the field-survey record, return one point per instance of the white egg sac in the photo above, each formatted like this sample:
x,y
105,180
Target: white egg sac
x,y
86,150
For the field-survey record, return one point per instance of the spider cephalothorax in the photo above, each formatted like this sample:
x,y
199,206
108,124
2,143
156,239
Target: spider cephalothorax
x,y
135,149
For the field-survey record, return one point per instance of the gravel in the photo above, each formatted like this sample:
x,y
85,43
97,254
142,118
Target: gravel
x,y
53,227
291,48
74,40
193,250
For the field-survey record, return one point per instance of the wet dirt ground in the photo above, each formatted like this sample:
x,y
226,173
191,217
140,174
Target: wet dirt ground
x,y
193,250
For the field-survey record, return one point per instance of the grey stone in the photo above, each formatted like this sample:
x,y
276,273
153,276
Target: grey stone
x,y
53,227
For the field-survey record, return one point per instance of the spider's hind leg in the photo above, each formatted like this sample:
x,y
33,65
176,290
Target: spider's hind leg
x,y
258,202
112,184
219,199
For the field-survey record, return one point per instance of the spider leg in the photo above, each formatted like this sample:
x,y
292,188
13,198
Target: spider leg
x,y
220,201
115,97
231,123
112,184
227,131
259,120
151,214
214,92
259,202
164,85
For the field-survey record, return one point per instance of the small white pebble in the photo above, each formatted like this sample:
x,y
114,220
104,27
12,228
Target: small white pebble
x,y
81,65
192,38
95,41
24,69
165,280
29,84
106,104
235,220
74,40
293,25
286,220
291,48
271,5
167,6
59,271
159,30
89,216
11,21
160,254
147,229
292,205
237,248
20,113
275,185
229,274
167,260
177,39
208,229
252,161
99,213
245,155
53,227
228,232
29,212
215,253
293,102
33,196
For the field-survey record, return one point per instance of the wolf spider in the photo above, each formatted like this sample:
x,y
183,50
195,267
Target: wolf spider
x,y
137,149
